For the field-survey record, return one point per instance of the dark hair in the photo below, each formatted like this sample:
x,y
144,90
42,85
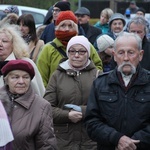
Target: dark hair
x,y
28,20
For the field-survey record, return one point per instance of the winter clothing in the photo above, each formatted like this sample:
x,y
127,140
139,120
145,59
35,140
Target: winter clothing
x,y
67,86
117,16
63,6
49,33
91,32
49,58
66,15
31,121
36,82
82,11
103,42
115,110
145,62
18,65
104,27
82,40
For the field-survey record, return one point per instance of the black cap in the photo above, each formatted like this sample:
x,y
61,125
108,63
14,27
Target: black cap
x,y
63,6
82,11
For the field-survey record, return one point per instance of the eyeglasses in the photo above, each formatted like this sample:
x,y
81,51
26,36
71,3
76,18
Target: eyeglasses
x,y
80,52
56,10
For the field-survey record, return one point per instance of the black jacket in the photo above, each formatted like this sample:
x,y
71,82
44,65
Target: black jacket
x,y
114,111
145,63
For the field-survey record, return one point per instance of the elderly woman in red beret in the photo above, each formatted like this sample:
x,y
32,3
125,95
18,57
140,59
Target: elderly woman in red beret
x,y
30,114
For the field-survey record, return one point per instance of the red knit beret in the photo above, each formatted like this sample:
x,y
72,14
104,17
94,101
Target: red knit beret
x,y
66,15
18,65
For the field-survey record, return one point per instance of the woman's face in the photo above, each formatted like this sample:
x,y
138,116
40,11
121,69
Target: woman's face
x,y
78,56
18,81
6,46
24,29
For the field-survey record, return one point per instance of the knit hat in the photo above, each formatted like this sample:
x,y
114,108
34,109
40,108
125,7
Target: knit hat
x,y
117,16
80,39
63,6
82,11
18,65
103,42
12,9
66,15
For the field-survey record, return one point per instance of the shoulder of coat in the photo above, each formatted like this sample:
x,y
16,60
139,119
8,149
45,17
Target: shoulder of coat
x,y
104,74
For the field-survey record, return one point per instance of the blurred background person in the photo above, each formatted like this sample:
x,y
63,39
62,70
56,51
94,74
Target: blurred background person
x,y
103,21
66,28
132,7
27,26
141,12
30,114
12,47
49,31
11,18
91,32
12,9
138,26
68,91
116,25
105,46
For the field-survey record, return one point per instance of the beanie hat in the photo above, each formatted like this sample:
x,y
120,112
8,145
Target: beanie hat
x,y
18,65
117,16
82,11
141,9
63,6
79,39
66,15
103,42
12,9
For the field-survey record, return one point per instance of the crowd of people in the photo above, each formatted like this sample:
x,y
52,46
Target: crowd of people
x,y
70,85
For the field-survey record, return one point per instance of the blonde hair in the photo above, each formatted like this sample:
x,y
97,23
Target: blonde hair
x,y
20,48
107,12
74,25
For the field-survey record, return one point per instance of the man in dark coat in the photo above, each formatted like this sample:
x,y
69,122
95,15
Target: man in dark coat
x,y
91,32
118,115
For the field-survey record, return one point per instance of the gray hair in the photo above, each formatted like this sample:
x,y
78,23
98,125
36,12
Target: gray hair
x,y
126,34
138,20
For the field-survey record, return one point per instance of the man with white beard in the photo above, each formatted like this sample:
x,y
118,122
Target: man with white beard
x,y
118,115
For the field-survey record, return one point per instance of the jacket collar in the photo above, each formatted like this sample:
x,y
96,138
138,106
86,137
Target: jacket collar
x,y
24,100
141,77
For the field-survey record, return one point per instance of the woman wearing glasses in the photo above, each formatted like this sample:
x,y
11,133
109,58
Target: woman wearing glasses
x,y
68,91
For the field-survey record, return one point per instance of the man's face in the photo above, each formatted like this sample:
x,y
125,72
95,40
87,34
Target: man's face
x,y
127,54
138,29
83,19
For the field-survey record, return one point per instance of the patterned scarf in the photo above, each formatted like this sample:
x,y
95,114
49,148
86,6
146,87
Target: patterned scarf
x,y
65,36
27,38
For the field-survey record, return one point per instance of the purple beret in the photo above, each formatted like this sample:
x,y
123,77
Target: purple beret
x,y
18,65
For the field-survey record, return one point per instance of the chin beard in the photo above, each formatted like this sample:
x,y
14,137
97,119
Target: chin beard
x,y
133,68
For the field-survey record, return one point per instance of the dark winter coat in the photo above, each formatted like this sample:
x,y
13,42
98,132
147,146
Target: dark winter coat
x,y
114,111
31,121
